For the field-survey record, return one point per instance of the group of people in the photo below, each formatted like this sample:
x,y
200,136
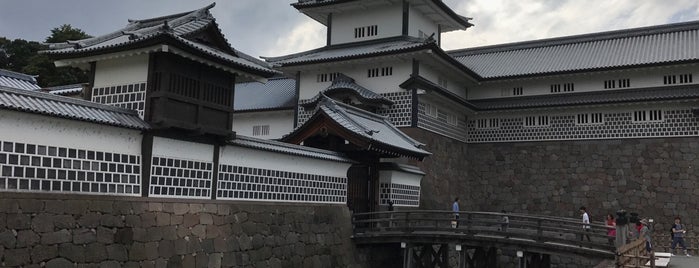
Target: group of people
x,y
504,222
642,230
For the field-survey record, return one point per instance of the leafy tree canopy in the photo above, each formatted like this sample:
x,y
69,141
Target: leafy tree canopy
x,y
64,33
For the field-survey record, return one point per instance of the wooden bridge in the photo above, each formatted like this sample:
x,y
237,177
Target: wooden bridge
x,y
425,237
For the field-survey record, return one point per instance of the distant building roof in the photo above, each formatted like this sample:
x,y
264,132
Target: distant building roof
x,y
70,108
65,90
288,148
183,29
366,130
277,94
647,46
436,10
17,80
688,92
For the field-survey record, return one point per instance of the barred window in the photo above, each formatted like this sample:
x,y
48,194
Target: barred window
x,y
262,130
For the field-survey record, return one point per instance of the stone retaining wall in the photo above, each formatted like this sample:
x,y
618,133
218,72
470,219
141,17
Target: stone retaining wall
x,y
101,231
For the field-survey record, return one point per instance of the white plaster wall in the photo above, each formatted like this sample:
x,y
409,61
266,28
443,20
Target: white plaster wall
x,y
309,87
183,149
400,177
418,22
122,71
280,123
454,86
639,78
388,18
46,130
246,157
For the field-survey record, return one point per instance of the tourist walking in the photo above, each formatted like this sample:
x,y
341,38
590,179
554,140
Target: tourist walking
x,y
611,228
505,222
586,224
678,232
455,209
645,234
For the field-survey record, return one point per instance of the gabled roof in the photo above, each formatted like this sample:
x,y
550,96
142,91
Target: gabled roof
x,y
17,80
369,131
436,10
688,92
277,94
345,84
287,148
417,81
196,31
647,46
47,104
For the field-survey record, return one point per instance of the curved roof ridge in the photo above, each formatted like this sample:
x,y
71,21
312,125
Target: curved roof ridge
x,y
166,17
16,75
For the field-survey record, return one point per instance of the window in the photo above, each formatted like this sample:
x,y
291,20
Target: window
x,y
517,91
486,123
590,119
430,110
443,82
645,116
383,71
365,31
262,130
672,79
624,83
568,87
555,88
326,77
536,121
442,115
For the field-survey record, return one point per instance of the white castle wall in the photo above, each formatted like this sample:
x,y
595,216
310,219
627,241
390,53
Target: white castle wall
x,y
181,169
122,71
418,22
280,123
388,18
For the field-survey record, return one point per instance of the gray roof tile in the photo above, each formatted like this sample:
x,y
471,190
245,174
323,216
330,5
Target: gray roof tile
x,y
64,107
287,148
277,93
17,80
65,89
654,45
343,83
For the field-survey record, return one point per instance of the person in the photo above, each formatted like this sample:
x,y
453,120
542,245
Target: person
x,y
644,233
611,231
505,222
678,232
455,209
586,224
390,205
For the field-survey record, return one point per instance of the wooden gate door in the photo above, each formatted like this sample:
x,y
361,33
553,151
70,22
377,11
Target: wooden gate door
x,y
358,188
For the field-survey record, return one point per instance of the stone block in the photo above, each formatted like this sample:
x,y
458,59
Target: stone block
x,y
9,206
154,234
117,252
220,244
27,238
105,235
18,221
110,264
199,231
258,241
162,219
122,208
102,206
112,221
210,208
133,264
190,220
75,207
223,210
202,260
139,207
17,257
132,221
43,223
151,250
175,262
59,263
169,232
62,236
205,218
215,260
8,238
155,207
63,222
196,208
84,236
95,252
166,249
180,246
207,245
176,219
89,220
212,231
189,261
219,220
137,252
232,244
124,236
42,253
180,208
245,242
148,219
140,235
30,205
72,252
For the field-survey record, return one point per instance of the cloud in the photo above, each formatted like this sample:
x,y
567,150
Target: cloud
x,y
307,35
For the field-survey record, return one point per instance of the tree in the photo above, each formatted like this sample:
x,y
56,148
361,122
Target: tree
x,y
64,33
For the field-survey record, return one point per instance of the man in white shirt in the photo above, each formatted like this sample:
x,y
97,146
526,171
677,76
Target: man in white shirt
x,y
586,224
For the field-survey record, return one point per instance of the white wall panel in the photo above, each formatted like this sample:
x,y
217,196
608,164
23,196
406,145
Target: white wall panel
x,y
121,71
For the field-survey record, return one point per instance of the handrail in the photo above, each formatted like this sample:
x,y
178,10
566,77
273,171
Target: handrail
x,y
543,230
634,255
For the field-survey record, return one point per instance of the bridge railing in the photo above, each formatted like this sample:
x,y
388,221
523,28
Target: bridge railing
x,y
540,229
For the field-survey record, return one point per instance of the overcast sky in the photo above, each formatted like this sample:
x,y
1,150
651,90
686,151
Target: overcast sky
x,y
274,28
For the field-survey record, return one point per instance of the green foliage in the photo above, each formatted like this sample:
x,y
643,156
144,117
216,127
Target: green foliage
x,y
23,56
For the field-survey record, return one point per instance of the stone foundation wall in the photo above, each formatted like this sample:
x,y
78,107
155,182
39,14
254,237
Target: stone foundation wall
x,y
102,231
